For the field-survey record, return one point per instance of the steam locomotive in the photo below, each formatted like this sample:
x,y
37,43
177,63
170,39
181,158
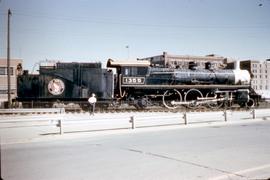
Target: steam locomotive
x,y
137,83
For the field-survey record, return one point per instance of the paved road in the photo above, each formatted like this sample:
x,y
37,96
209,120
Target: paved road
x,y
228,151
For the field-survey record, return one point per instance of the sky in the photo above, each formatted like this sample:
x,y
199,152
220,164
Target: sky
x,y
96,30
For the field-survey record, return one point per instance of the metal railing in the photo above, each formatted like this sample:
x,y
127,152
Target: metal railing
x,y
31,111
76,122
18,118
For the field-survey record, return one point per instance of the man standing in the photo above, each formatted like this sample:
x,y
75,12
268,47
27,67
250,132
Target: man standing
x,y
92,100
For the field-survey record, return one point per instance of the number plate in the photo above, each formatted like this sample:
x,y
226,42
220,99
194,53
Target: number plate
x,y
133,80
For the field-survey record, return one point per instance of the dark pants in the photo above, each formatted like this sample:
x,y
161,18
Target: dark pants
x,y
92,108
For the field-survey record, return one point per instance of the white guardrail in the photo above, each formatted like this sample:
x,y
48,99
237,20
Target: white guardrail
x,y
18,118
75,122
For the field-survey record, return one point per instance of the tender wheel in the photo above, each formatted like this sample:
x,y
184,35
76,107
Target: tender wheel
x,y
169,96
141,103
213,96
192,96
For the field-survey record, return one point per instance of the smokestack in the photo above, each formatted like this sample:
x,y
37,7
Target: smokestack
x,y
237,65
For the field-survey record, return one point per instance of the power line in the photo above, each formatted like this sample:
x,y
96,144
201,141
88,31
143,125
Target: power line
x,y
125,23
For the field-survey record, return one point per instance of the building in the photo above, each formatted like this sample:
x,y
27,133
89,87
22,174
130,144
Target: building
x,y
260,73
15,69
182,62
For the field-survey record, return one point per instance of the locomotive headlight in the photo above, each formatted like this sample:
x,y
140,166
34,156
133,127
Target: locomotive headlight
x,y
241,76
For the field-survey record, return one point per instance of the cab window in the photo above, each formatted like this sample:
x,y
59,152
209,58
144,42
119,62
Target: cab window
x,y
134,71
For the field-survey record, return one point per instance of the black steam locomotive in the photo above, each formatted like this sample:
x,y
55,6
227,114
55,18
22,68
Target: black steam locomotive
x,y
136,83
141,84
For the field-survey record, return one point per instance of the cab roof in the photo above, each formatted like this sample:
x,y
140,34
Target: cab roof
x,y
112,63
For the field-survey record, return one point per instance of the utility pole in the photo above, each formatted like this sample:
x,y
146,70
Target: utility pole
x,y
8,58
0,162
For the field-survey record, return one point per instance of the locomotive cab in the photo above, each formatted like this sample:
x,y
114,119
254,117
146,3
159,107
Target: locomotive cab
x,y
130,75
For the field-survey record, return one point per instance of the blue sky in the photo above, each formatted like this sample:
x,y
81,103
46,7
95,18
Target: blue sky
x,y
95,30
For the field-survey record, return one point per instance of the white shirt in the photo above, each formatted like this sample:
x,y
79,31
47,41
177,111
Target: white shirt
x,y
92,100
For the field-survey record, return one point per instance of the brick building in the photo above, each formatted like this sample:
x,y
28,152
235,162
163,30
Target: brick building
x,y
182,61
260,73
15,67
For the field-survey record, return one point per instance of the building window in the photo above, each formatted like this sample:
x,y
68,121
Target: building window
x,y
3,71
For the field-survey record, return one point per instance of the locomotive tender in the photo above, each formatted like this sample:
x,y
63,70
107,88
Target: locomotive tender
x,y
65,82
137,83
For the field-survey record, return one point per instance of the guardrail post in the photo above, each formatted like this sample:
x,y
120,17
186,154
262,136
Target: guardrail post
x,y
60,125
62,111
253,113
225,115
132,121
185,118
